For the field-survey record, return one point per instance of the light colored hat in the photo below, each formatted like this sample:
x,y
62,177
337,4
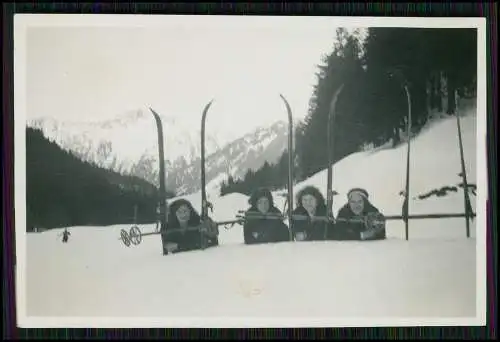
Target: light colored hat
x,y
359,191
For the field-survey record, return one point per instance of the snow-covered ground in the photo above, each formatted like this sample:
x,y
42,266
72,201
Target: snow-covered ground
x,y
433,275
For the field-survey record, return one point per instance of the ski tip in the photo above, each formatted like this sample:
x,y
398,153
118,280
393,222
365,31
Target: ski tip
x,y
207,106
285,100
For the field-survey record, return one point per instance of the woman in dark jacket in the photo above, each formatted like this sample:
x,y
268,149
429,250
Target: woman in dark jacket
x,y
310,204
180,235
359,208
264,230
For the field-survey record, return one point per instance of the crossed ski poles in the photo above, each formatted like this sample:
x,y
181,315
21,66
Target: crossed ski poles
x,y
134,235
379,218
271,216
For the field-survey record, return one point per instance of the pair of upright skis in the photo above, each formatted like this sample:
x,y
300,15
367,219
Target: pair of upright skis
x,y
468,212
204,203
135,236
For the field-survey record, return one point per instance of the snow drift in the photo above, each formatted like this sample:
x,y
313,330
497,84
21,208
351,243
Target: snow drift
x,y
95,275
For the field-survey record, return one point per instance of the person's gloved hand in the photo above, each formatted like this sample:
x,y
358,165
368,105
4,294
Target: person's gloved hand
x,y
300,236
172,247
368,234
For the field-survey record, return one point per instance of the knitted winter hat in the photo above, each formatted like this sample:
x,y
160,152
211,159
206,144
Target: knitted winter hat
x,y
359,191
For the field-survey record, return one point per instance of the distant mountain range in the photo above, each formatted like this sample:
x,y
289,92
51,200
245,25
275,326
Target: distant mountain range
x,y
128,145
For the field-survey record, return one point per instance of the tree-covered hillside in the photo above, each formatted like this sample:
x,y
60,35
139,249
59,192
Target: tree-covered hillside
x,y
372,108
62,190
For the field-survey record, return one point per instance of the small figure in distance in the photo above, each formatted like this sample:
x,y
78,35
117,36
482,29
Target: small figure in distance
x,y
65,235
264,230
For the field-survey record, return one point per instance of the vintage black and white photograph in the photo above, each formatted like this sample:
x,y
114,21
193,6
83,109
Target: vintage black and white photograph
x,y
249,171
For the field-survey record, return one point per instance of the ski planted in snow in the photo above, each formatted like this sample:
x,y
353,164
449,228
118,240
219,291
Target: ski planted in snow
x,y
467,204
406,203
290,166
405,210
204,204
330,151
206,221
162,191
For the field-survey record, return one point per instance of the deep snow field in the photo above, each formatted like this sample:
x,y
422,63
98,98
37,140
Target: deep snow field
x,y
433,275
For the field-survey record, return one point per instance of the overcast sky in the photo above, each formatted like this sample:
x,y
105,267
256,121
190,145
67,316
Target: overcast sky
x,y
176,65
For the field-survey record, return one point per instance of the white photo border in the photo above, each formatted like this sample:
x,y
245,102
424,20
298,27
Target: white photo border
x,y
23,21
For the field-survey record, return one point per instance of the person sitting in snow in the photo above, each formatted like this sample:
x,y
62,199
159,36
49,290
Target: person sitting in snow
x,y
178,237
369,222
264,230
310,203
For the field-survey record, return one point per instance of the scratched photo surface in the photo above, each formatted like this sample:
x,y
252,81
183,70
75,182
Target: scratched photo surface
x,y
249,171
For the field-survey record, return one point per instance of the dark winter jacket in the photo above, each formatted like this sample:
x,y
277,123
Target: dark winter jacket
x,y
312,230
186,240
354,230
261,230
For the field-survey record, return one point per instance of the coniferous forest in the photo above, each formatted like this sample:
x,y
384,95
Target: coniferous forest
x,y
372,108
62,190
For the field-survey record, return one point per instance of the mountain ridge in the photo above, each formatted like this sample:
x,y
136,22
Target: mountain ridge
x,y
127,144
